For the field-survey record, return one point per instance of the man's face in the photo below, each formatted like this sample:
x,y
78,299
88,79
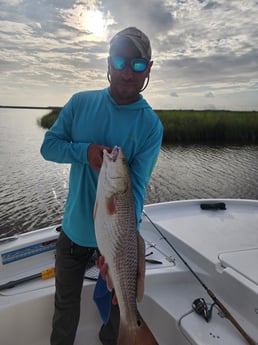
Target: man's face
x,y
125,85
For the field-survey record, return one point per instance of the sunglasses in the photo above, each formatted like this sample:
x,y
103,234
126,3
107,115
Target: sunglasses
x,y
137,65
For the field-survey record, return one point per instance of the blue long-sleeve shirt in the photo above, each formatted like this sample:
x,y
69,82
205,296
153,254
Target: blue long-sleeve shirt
x,y
93,117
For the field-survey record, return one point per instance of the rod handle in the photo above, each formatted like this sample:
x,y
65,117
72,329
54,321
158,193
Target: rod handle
x,y
229,316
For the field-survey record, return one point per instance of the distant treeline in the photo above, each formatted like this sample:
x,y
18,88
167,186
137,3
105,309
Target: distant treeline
x,y
199,127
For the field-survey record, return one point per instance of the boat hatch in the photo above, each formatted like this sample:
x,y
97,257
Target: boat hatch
x,y
242,261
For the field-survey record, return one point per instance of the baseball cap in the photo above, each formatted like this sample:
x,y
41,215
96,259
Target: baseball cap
x,y
137,37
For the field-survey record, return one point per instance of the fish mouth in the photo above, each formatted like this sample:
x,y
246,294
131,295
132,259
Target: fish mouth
x,y
113,154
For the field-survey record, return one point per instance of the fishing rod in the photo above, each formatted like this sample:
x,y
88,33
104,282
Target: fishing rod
x,y
46,274
28,107
91,274
216,301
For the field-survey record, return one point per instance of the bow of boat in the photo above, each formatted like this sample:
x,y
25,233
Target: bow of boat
x,y
218,239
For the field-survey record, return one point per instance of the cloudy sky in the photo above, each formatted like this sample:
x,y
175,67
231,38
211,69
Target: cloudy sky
x,y
205,52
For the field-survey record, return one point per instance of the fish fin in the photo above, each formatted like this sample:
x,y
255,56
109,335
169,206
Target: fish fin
x,y
95,210
139,335
141,268
111,205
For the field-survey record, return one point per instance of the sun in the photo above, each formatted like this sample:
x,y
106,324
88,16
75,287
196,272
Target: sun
x,y
95,23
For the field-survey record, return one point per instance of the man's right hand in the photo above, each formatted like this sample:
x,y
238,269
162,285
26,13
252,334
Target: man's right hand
x,y
95,155
103,267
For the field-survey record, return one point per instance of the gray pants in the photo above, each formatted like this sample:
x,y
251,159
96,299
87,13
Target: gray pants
x,y
108,333
71,262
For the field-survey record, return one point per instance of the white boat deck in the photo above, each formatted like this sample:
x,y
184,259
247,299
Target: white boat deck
x,y
220,246
217,236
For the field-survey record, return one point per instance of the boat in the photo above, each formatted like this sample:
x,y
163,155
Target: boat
x,y
201,284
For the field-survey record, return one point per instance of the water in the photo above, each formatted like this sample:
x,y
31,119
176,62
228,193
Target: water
x,y
33,191
189,172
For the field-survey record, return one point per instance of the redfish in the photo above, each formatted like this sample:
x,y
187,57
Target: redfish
x,y
122,246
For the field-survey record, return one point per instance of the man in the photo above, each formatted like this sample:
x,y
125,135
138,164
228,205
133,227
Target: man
x,y
88,123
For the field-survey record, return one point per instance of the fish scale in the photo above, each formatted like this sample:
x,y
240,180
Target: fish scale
x,y
123,251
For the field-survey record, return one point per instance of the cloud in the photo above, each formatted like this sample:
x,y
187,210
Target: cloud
x,y
209,95
200,47
151,16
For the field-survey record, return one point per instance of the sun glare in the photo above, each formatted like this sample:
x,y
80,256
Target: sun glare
x,y
95,23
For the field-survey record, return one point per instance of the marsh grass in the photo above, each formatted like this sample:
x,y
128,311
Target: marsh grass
x,y
209,126
47,120
202,127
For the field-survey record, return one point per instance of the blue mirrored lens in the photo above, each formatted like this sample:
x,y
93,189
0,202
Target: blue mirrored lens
x,y
117,62
137,65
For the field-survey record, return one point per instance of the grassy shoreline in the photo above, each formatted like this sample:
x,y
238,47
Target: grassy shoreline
x,y
198,126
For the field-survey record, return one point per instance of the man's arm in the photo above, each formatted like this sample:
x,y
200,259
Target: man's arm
x,y
58,145
142,166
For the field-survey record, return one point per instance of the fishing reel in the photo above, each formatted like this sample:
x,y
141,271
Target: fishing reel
x,y
200,307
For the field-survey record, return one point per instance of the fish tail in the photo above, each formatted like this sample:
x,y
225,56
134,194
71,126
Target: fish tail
x,y
140,335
